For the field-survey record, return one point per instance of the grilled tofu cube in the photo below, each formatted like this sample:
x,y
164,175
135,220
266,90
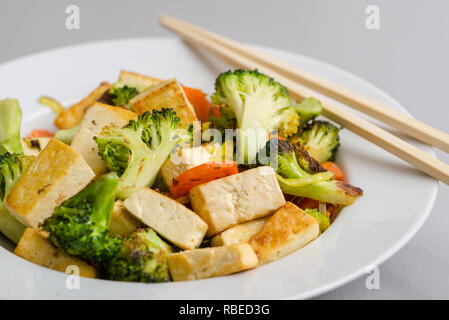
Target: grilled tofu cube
x,y
138,81
57,174
211,262
166,94
288,230
242,197
185,159
97,117
33,146
122,222
167,217
34,246
72,117
239,233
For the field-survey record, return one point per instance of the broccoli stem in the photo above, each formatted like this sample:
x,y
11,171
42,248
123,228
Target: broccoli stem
x,y
325,191
9,226
308,109
10,120
67,135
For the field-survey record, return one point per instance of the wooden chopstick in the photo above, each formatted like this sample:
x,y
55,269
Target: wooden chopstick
x,y
414,156
381,112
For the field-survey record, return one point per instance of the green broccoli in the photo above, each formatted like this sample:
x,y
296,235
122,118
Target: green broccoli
x,y
12,164
323,221
67,135
142,258
321,140
304,177
122,94
137,151
260,105
10,120
12,167
79,226
308,109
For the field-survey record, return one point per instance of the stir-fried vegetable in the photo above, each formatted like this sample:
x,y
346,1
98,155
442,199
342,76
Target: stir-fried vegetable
x,y
260,105
201,174
53,104
137,151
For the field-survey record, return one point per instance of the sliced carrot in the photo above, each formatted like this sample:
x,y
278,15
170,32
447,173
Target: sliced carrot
x,y
332,167
206,172
198,99
307,203
40,133
215,111
276,136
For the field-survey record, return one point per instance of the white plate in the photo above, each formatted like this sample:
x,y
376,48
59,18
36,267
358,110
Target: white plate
x,y
396,203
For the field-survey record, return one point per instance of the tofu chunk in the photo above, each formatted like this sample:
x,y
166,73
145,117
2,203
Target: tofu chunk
x,y
185,159
122,222
33,146
57,174
138,81
72,117
162,95
288,230
235,199
239,233
167,217
34,246
97,117
211,262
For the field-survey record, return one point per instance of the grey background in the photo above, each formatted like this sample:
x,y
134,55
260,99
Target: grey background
x,y
408,58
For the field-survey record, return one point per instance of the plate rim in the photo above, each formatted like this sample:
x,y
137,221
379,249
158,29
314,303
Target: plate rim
x,y
393,249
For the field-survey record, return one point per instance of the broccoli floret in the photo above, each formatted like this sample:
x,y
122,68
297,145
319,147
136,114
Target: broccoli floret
x,y
12,167
323,221
122,95
137,151
79,226
305,178
10,120
321,140
290,161
142,258
308,109
260,105
12,164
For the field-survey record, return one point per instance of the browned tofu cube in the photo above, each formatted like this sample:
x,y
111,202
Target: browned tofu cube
x,y
136,80
235,199
34,246
288,230
166,94
97,117
211,262
57,174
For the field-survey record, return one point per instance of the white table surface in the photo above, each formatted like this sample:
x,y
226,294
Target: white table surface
x,y
408,57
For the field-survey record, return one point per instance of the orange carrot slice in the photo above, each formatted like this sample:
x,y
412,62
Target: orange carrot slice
x,y
40,133
206,172
332,167
198,99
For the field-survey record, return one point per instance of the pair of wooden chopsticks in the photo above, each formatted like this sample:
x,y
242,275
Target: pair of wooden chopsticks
x,y
302,84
